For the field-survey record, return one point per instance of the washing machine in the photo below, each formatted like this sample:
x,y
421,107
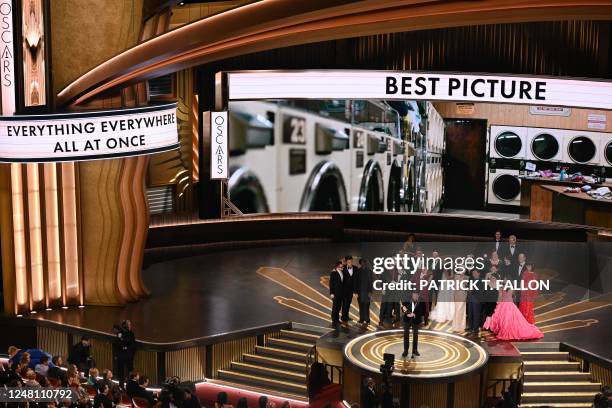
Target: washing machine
x,y
394,176
508,142
605,159
605,150
367,180
544,144
314,164
253,156
504,186
581,147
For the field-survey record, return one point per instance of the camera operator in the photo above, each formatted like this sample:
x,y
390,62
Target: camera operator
x,y
125,349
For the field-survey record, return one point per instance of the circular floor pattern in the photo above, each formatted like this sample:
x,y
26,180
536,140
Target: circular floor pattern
x,y
443,355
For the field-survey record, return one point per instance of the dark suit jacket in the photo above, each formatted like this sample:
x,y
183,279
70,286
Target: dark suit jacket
x,y
419,311
369,398
336,287
510,255
349,282
477,295
365,277
135,390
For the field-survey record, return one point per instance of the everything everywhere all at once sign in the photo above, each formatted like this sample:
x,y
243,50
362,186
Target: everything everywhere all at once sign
x,y
389,85
88,135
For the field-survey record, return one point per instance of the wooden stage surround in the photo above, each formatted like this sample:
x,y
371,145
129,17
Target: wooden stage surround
x,y
547,200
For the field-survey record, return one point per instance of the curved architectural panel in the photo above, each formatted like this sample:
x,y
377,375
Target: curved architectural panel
x,y
283,23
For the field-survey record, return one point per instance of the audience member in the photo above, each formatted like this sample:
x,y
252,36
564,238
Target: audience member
x,y
43,366
92,378
142,392
82,397
103,398
55,371
190,399
107,378
131,387
222,400
30,379
242,403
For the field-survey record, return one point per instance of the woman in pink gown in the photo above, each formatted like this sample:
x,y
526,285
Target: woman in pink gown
x,y
508,323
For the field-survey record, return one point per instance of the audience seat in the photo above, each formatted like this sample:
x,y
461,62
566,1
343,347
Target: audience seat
x,y
139,402
91,391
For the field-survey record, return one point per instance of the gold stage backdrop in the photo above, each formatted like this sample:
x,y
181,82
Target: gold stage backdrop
x,y
73,233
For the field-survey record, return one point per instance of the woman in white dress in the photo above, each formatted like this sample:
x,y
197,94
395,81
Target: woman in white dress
x,y
460,298
445,305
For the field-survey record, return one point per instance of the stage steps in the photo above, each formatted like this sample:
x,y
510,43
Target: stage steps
x,y
277,367
552,380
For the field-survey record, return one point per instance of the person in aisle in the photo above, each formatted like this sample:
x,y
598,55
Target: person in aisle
x,y
369,397
459,303
528,296
365,278
444,310
125,347
80,355
336,291
349,283
508,323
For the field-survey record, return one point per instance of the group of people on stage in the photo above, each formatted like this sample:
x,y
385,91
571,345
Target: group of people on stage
x,y
508,314
345,281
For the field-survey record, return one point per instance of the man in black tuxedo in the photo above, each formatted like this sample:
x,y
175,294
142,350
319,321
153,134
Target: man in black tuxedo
x,y
512,249
475,298
369,399
365,278
413,311
497,243
350,277
517,274
336,291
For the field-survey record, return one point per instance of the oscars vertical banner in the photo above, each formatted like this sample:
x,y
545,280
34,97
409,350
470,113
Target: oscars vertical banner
x,y
7,59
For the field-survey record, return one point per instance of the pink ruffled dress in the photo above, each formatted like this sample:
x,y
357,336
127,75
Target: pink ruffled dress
x,y
508,323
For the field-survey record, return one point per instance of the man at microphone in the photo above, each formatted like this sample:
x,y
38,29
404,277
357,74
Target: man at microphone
x,y
413,311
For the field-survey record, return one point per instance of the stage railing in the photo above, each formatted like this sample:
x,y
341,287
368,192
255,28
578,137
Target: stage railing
x,y
599,367
497,386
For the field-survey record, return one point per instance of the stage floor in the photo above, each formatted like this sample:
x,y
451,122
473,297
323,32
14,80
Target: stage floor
x,y
231,290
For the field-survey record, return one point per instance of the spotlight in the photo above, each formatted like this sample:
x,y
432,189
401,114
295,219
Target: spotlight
x,y
81,306
33,312
64,307
182,3
19,315
48,309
